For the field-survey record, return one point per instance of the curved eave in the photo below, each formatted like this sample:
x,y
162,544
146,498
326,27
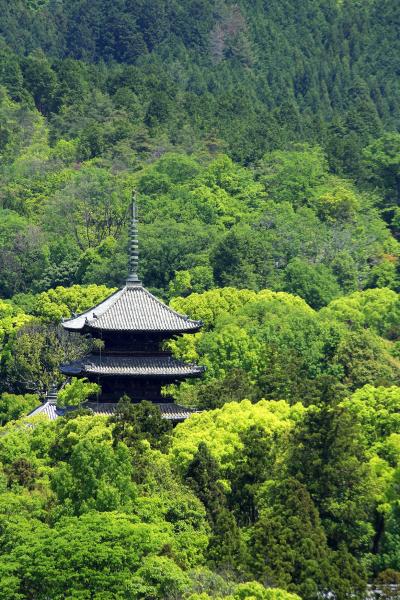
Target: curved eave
x,y
166,376
70,371
98,373
73,329
182,371
90,328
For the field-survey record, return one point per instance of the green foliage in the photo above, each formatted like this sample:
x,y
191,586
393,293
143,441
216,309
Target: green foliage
x,y
338,203
259,335
11,320
190,71
205,220
254,463
13,406
203,477
374,309
33,355
221,429
390,546
23,254
328,457
40,80
136,422
77,392
293,176
251,590
96,477
255,590
290,534
59,303
154,532
95,554
382,165
208,306
378,412
196,280
316,284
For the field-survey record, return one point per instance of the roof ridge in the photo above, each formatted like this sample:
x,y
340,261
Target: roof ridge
x,y
91,310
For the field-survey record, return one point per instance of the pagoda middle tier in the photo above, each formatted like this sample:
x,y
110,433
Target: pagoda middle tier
x,y
132,366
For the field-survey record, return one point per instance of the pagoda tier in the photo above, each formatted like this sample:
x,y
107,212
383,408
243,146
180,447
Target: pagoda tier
x,y
133,309
132,366
141,377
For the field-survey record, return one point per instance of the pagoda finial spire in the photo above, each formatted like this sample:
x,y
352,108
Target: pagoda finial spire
x,y
133,278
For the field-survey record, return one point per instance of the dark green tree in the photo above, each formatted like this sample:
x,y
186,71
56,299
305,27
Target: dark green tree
x,y
41,81
315,283
328,457
288,546
135,422
204,478
253,465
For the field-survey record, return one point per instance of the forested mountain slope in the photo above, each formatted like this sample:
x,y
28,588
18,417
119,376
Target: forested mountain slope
x,y
255,75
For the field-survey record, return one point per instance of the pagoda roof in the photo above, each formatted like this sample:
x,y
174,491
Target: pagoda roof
x,y
169,410
133,366
132,309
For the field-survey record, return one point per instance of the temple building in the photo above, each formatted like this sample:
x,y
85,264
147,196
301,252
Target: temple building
x,y
133,326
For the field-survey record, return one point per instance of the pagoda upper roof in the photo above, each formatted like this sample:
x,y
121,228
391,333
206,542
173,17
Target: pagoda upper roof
x,y
133,366
132,309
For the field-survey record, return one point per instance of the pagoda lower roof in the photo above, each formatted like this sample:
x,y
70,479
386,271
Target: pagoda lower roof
x,y
169,410
133,366
132,309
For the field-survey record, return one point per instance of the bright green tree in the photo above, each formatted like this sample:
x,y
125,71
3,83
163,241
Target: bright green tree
x,y
77,392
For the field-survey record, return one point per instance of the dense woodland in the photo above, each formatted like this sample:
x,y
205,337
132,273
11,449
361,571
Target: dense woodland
x,y
262,139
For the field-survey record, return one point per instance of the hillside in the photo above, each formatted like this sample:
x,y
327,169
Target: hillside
x,y
251,76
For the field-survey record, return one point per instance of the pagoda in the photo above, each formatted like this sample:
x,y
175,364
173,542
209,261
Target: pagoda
x,y
132,360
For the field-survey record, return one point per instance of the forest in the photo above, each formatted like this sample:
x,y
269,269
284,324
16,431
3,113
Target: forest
x,y
261,139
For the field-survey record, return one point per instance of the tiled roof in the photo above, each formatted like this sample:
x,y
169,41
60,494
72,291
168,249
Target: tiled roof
x,y
136,366
169,411
48,409
132,309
